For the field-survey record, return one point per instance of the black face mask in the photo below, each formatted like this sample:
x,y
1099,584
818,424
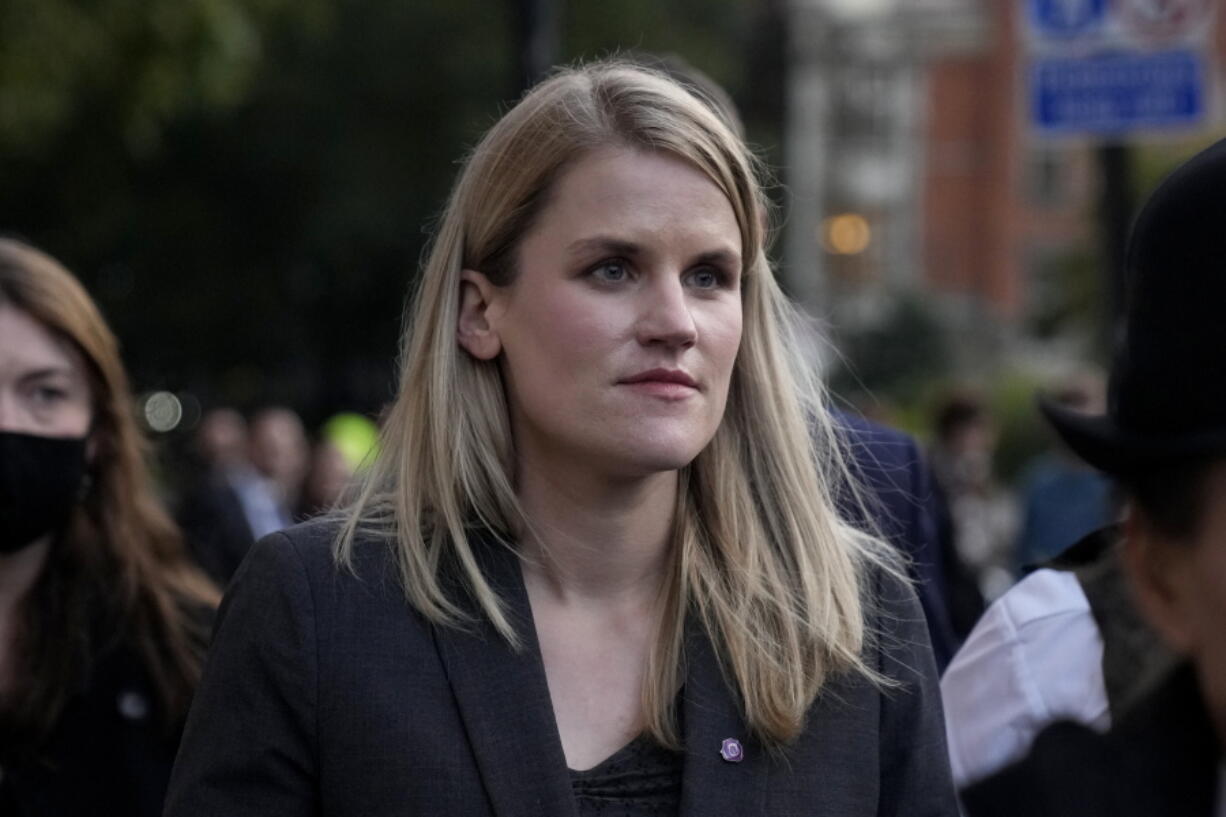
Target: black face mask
x,y
40,482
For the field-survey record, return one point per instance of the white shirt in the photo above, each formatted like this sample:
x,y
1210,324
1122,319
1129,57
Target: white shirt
x,y
260,499
1033,658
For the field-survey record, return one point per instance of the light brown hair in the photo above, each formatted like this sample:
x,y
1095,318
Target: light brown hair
x,y
119,573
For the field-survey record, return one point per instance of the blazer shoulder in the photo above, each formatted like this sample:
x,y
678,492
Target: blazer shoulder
x,y
314,544
313,539
300,564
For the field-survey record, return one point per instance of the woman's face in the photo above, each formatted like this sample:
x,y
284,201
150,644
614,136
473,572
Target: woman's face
x,y
43,387
619,333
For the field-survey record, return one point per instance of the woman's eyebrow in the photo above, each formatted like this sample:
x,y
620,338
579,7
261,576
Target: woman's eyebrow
x,y
603,244
718,257
617,246
47,372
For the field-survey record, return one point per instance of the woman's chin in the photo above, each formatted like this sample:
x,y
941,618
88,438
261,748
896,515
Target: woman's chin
x,y
659,457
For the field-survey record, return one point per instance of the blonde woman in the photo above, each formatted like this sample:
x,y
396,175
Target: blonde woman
x,y
596,567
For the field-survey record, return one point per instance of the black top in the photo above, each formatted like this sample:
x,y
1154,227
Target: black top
x,y
641,779
109,752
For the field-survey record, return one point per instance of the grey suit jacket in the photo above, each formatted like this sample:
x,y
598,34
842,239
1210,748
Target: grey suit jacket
x,y
325,694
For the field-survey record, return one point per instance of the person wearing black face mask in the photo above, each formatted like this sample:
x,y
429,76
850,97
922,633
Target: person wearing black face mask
x,y
40,481
103,620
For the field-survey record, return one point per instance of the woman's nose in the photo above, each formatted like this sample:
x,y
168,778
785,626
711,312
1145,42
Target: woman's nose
x,y
667,317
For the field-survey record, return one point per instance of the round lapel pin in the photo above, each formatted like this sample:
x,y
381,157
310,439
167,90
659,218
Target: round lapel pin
x,y
731,750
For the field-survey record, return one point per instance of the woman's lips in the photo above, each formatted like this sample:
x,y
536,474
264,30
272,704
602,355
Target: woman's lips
x,y
669,384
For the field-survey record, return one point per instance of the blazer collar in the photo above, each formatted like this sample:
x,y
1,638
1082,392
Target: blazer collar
x,y
503,698
504,702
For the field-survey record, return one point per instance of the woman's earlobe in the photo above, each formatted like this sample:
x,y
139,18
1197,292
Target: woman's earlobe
x,y
474,331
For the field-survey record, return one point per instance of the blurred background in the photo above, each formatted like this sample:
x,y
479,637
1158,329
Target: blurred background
x,y
246,185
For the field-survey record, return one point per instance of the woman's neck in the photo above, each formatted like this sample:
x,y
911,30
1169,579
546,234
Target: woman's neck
x,y
595,540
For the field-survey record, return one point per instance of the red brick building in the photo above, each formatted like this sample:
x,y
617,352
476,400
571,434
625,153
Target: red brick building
x,y
997,207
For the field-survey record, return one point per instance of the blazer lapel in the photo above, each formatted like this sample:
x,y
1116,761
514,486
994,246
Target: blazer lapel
x,y
504,702
711,784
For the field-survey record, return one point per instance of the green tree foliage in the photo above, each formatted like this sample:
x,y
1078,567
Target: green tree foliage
x,y
140,63
247,185
710,34
1066,295
896,359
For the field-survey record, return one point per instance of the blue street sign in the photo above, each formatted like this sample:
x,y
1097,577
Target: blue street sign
x,y
1115,93
1066,18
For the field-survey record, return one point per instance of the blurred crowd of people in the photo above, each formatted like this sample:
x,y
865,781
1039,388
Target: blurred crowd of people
x,y
993,533
250,477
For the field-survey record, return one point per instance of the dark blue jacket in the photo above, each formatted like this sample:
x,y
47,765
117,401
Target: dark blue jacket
x,y
904,507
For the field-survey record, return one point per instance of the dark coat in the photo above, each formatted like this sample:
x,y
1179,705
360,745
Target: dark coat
x,y
1162,759
109,753
214,526
326,694
905,507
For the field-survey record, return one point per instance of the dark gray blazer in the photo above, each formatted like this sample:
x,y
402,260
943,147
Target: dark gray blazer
x,y
326,694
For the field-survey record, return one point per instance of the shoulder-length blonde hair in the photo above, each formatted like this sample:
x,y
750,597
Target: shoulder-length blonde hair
x,y
760,556
119,573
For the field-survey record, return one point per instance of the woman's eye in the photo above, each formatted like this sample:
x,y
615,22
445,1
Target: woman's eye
x,y
45,395
705,279
610,272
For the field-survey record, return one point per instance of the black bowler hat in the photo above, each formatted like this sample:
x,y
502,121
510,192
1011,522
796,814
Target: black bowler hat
x,y
1166,400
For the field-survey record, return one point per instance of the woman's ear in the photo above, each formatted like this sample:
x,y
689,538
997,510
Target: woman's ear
x,y
474,327
1157,570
